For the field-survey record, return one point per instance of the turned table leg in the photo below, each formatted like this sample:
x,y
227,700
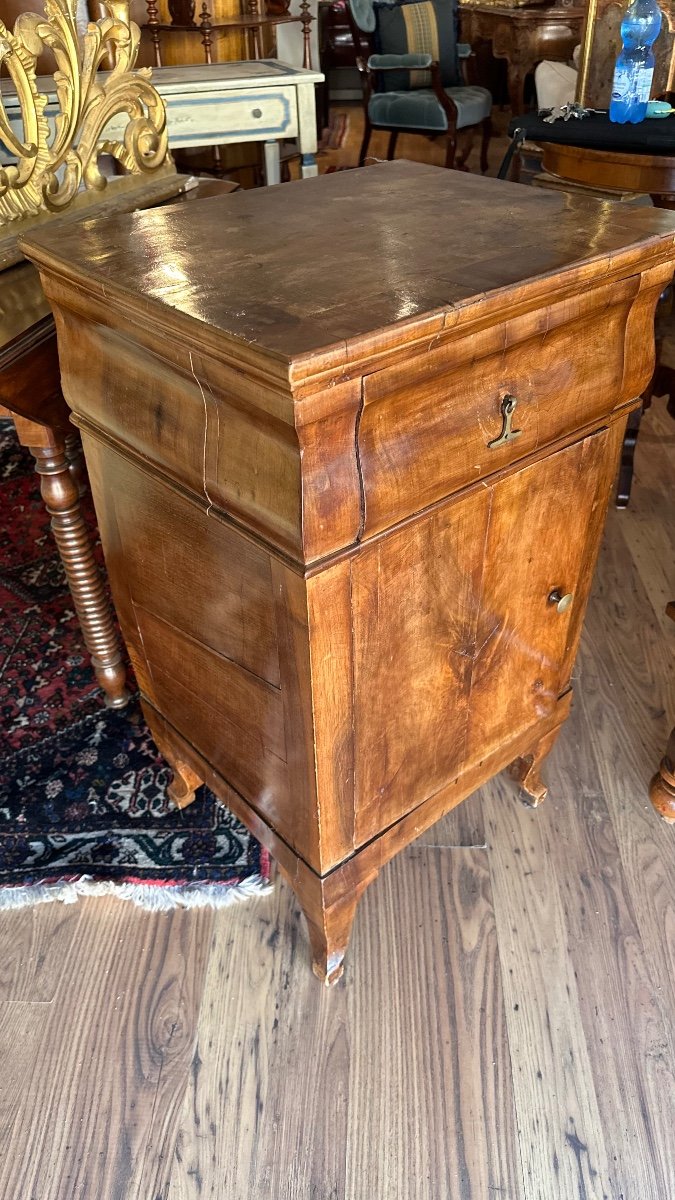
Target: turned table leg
x,y
60,481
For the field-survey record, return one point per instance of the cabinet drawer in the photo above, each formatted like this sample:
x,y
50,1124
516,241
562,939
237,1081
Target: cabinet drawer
x,y
428,427
197,120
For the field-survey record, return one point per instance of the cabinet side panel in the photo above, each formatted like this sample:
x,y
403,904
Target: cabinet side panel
x,y
188,420
331,647
234,718
415,599
191,569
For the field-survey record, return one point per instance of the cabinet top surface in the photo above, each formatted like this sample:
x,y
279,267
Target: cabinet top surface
x,y
196,77
331,264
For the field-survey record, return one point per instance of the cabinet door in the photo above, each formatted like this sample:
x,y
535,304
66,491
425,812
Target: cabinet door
x,y
543,537
458,645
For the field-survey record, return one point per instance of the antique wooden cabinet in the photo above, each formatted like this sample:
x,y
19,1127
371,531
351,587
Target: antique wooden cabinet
x,y
351,488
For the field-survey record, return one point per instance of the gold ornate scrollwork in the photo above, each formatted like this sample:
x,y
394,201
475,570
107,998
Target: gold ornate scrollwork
x,y
54,162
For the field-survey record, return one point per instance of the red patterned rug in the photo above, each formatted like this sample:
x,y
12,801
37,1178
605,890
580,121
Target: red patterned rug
x,y
83,804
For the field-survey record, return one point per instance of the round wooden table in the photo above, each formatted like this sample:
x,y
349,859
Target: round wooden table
x,y
653,174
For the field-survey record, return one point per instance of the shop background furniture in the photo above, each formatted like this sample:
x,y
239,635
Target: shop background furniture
x,y
350,516
523,37
251,23
226,104
598,158
336,47
415,83
601,43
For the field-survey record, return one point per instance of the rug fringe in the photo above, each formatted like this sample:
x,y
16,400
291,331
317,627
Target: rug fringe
x,y
150,896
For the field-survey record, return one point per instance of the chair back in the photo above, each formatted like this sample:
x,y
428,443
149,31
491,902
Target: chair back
x,y
410,27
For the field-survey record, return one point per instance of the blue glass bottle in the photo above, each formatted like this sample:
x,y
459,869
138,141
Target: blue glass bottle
x,y
634,69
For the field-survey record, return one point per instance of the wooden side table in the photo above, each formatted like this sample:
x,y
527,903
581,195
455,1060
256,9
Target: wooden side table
x,y
334,491
30,393
524,37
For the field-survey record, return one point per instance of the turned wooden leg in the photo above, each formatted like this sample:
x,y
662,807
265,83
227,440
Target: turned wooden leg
x,y
185,780
76,464
60,492
662,786
526,770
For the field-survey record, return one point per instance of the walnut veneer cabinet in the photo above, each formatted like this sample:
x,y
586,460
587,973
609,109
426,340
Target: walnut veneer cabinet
x,y
351,443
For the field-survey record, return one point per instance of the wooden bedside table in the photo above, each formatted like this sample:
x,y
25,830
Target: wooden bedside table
x,y
351,492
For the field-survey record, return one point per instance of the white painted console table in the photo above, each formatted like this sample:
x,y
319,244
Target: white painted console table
x,y
218,104
263,101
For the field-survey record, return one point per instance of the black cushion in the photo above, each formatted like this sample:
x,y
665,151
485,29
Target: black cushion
x,y
597,132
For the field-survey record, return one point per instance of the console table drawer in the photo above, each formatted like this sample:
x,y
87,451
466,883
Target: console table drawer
x,y
267,113
440,423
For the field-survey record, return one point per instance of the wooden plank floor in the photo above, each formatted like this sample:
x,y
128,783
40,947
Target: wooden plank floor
x,y
504,1029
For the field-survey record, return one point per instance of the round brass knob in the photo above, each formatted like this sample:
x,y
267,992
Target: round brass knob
x,y
561,602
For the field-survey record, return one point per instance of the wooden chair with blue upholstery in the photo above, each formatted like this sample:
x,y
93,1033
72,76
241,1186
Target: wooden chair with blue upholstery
x,y
413,82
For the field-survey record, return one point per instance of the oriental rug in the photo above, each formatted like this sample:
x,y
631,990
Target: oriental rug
x,y
83,803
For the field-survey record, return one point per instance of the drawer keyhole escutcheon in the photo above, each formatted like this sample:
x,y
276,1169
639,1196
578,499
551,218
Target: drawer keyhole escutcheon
x,y
561,602
507,409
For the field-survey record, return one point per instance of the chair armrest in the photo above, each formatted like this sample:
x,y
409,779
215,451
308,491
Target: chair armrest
x,y
400,62
467,63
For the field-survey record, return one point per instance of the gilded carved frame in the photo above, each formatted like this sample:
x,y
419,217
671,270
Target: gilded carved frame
x,y
54,163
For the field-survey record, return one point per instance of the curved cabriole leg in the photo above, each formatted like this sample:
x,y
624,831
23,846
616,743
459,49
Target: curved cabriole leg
x,y
60,492
662,786
329,907
185,780
184,784
526,770
329,940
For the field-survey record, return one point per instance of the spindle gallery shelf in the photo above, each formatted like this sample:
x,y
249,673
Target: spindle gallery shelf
x,y
252,21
